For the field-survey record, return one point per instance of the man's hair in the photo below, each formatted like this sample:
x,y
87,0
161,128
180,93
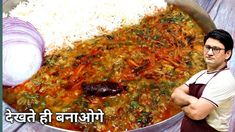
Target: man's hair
x,y
223,37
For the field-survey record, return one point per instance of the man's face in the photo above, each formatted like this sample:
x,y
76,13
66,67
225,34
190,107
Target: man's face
x,y
214,53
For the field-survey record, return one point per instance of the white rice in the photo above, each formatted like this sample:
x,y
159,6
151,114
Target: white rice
x,y
62,22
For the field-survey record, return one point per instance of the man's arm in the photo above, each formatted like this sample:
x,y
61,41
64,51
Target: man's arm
x,y
199,110
194,108
180,96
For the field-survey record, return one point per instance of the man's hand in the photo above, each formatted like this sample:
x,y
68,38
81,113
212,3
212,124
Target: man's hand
x,y
180,96
199,109
193,107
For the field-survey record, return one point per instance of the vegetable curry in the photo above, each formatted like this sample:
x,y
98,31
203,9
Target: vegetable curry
x,y
141,63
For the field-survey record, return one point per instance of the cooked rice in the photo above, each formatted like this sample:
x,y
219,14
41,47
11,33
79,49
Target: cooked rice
x,y
62,22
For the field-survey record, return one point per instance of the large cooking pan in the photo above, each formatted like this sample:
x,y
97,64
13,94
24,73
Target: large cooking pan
x,y
196,12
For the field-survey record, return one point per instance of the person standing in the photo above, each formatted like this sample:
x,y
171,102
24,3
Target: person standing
x,y
207,97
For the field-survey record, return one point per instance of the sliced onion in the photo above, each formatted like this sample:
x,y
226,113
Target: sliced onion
x,y
23,50
9,37
25,30
12,24
21,61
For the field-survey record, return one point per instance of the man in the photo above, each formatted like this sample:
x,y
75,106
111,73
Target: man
x,y
207,97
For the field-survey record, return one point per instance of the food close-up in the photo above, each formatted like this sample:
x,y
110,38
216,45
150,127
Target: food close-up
x,y
128,70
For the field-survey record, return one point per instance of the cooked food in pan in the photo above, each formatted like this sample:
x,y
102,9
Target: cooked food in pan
x,y
129,74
